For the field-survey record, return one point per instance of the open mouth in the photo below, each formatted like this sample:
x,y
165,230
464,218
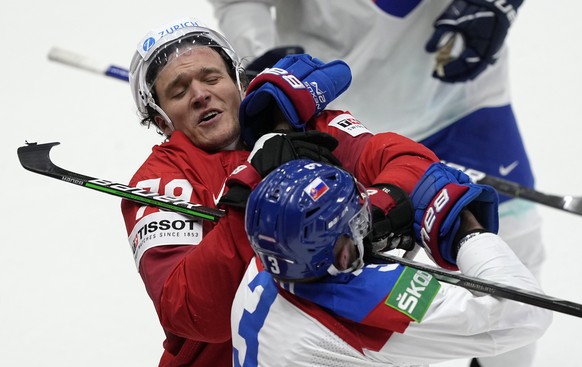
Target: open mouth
x,y
208,116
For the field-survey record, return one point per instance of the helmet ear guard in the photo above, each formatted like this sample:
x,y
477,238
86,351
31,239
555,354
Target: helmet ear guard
x,y
297,213
158,47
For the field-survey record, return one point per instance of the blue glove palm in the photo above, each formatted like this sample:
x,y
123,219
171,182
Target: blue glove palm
x,y
300,85
438,199
483,26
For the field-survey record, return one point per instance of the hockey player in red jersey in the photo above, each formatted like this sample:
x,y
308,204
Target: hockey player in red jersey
x,y
188,83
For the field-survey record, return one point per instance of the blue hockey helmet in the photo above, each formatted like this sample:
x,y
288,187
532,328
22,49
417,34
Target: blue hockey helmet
x,y
297,213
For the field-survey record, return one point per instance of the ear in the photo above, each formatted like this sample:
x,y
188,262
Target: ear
x,y
162,125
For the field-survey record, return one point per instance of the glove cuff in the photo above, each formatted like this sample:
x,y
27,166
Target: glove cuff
x,y
392,211
240,183
244,175
507,7
394,196
299,98
270,58
236,197
380,198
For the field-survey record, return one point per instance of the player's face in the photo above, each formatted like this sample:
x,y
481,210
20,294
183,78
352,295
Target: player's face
x,y
201,99
345,253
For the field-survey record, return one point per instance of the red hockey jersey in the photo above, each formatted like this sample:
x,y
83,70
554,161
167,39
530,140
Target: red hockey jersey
x,y
191,268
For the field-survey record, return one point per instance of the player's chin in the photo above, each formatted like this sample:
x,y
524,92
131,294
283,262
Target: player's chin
x,y
218,140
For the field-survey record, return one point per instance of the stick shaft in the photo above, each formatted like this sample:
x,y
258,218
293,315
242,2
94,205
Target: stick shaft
x,y
489,287
78,61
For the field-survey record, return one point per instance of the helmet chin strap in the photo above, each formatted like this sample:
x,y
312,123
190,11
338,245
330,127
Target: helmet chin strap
x,y
356,265
238,70
152,103
166,118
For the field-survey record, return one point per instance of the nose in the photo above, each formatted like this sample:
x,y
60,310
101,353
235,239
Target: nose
x,y
199,94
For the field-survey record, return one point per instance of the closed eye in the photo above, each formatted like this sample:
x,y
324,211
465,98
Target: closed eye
x,y
213,79
178,93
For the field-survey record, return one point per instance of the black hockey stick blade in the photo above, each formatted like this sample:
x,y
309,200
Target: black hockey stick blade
x,y
488,287
571,204
36,158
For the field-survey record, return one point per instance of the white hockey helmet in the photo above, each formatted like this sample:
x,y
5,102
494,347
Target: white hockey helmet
x,y
162,45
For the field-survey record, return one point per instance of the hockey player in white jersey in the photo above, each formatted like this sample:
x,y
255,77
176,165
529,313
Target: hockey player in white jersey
x,y
461,111
308,299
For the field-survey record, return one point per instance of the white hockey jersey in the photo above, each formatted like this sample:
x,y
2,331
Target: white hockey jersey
x,y
384,315
392,89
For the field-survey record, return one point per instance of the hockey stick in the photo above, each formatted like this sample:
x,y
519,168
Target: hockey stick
x,y
84,63
453,45
571,204
488,287
567,203
36,158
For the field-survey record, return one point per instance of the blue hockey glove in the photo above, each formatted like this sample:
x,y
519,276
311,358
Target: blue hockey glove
x,y
438,199
301,87
482,25
269,58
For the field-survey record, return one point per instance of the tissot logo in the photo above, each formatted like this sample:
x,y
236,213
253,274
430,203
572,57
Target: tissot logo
x,y
165,225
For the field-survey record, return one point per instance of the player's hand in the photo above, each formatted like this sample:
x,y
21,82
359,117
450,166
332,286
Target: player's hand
x,y
275,149
392,218
272,150
438,199
270,58
300,86
468,37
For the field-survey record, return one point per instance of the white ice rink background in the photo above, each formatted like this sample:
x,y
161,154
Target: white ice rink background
x,y
69,291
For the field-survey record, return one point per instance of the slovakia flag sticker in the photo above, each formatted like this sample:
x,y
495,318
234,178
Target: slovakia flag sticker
x,y
316,189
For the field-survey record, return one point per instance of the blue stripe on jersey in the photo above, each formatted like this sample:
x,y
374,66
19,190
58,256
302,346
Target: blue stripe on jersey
x,y
398,8
487,140
250,323
352,296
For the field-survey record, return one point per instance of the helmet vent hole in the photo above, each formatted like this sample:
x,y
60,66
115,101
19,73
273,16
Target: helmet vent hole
x,y
274,196
320,264
311,212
